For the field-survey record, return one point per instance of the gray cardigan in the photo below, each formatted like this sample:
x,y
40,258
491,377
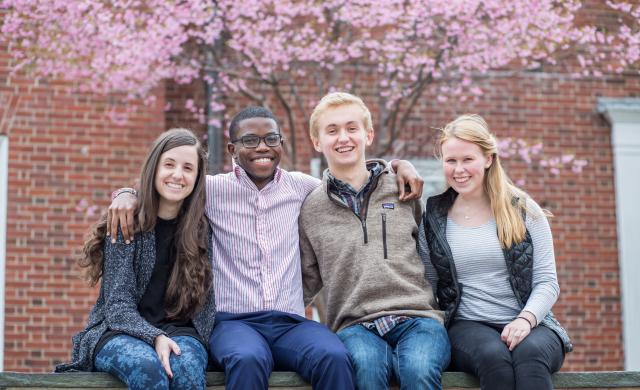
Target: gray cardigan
x,y
127,271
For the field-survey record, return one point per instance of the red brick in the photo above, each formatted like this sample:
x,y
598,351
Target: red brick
x,y
50,126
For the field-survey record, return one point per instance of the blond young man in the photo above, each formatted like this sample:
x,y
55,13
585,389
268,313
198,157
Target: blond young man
x,y
359,243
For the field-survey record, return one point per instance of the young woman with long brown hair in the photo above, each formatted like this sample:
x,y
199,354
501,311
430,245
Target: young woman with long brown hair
x,y
490,254
155,312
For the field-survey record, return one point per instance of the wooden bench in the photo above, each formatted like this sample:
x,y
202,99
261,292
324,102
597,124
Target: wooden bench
x,y
289,380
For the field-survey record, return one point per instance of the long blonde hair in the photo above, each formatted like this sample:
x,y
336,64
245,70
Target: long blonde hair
x,y
508,202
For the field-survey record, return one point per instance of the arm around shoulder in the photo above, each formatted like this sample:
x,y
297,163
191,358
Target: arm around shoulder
x,y
410,182
121,214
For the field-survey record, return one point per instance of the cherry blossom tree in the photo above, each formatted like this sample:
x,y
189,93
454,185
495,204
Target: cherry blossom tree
x,y
290,52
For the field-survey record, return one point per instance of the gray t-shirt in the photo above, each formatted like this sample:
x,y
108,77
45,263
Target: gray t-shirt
x,y
481,268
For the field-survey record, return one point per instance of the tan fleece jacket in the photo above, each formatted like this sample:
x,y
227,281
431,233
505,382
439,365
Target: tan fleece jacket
x,y
347,257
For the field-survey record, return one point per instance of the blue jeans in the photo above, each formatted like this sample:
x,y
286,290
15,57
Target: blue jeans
x,y
249,346
415,352
136,363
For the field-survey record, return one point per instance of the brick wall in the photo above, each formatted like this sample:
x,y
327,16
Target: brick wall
x,y
63,151
65,156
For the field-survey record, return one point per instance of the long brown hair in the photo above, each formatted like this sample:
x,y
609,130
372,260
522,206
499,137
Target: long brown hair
x,y
191,278
497,185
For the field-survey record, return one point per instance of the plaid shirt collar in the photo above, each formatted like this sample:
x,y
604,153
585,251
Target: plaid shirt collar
x,y
348,194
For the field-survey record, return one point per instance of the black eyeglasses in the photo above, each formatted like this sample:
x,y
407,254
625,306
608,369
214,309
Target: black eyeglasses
x,y
252,141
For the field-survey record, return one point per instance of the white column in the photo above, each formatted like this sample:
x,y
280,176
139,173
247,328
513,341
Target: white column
x,y
624,117
4,173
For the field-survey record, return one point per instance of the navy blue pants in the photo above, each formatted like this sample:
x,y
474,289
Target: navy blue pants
x,y
249,346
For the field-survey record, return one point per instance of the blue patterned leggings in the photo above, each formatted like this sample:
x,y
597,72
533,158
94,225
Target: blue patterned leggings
x,y
136,363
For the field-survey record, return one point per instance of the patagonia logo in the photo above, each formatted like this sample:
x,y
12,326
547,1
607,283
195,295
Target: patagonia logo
x,y
389,206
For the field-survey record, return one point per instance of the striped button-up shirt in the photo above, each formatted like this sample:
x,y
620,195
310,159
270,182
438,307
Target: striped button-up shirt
x,y
256,254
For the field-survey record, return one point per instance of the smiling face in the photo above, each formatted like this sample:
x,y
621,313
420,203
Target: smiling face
x,y
260,163
175,177
464,166
342,137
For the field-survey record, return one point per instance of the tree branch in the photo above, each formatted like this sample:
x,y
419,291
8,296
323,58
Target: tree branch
x,y
290,119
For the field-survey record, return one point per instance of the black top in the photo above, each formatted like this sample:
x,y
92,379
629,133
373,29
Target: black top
x,y
152,304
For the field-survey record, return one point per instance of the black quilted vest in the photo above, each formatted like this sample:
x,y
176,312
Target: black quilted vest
x,y
519,260
519,257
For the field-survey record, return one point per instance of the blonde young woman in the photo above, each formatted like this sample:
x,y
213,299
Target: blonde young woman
x,y
489,251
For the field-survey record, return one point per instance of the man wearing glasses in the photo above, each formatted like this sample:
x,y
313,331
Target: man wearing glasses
x,y
253,212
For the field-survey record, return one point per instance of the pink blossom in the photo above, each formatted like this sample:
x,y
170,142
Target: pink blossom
x,y
567,158
82,204
440,47
132,46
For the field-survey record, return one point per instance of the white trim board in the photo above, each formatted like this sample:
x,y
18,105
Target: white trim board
x,y
4,178
624,117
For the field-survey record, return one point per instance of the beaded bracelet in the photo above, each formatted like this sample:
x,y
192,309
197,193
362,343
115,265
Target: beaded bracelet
x,y
121,191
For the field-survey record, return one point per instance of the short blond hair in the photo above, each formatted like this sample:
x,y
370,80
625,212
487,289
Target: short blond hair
x,y
336,99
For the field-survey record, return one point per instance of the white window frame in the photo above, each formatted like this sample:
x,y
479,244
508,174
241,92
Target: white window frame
x,y
624,117
4,178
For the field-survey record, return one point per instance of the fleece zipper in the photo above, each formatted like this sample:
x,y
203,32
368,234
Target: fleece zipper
x,y
365,205
384,234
